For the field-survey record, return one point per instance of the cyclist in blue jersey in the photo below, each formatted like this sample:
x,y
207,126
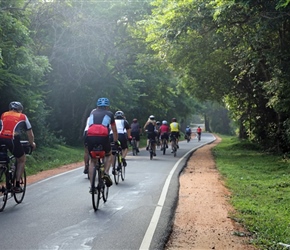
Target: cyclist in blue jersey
x,y
100,122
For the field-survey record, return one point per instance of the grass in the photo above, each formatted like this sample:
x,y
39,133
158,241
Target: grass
x,y
260,186
48,158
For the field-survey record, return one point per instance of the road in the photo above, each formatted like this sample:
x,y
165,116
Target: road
x,y
57,212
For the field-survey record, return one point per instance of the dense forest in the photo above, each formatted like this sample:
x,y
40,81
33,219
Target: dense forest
x,y
225,60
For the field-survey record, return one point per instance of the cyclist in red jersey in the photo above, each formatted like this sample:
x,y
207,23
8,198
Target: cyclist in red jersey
x,y
100,121
12,123
198,131
164,132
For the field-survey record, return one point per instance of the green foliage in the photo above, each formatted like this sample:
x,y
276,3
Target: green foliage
x,y
259,184
47,158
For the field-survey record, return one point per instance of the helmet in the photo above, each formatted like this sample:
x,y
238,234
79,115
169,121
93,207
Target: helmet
x,y
158,122
164,122
119,114
103,102
187,126
174,119
135,120
15,106
152,117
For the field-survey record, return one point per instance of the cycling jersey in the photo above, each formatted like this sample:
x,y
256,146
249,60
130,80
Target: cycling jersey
x,y
198,130
12,124
122,126
174,127
135,127
164,129
99,122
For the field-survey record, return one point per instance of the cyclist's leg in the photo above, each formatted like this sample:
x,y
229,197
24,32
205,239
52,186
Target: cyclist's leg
x,y
86,159
124,145
108,159
20,156
137,137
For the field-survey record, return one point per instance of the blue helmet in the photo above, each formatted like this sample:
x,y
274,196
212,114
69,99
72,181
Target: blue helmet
x,y
103,102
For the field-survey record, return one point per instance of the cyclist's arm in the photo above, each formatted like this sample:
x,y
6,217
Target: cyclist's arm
x,y
115,133
30,136
145,125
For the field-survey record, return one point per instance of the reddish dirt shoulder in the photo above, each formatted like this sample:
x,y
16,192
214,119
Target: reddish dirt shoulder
x,y
48,173
201,219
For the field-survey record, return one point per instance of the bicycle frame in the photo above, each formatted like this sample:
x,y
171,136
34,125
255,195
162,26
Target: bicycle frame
x,y
134,146
173,144
98,188
118,169
151,148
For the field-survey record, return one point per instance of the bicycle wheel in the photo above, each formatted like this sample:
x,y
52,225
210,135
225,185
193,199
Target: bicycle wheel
x,y
151,152
164,146
3,189
18,197
115,171
96,195
134,147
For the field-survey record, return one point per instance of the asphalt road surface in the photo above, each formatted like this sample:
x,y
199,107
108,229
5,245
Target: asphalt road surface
x,y
57,213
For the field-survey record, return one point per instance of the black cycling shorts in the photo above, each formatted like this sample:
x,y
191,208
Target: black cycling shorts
x,y
95,141
14,146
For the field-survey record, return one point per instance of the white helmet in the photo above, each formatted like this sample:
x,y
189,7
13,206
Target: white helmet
x,y
152,117
164,122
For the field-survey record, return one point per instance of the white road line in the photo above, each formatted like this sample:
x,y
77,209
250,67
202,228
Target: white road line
x,y
156,215
155,218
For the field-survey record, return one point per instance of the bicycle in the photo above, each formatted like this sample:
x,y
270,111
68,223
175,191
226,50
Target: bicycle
x,y
118,167
164,145
198,136
99,190
174,145
187,137
8,169
150,147
134,146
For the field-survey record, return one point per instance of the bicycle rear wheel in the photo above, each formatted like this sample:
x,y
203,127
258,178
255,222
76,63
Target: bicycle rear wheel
x,y
151,153
3,189
18,197
134,147
96,195
115,171
164,146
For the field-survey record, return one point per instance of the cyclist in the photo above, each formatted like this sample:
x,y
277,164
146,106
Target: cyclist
x,y
99,124
12,123
135,132
151,134
187,132
124,133
174,131
198,131
164,132
158,124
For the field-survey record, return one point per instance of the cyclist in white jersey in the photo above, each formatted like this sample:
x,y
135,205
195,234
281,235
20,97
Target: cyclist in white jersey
x,y
124,134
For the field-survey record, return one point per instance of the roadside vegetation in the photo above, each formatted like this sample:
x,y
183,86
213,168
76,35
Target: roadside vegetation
x,y
53,157
260,190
